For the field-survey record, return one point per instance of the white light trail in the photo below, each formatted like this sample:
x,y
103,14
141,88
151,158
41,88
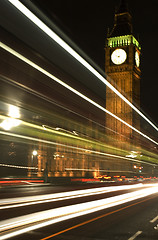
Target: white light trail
x,y
16,166
72,89
31,200
19,225
71,51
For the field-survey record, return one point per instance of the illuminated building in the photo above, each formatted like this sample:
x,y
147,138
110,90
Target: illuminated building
x,y
122,65
64,124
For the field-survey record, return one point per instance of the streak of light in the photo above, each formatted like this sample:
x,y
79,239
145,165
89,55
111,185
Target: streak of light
x,y
56,131
31,200
44,127
23,224
72,147
16,166
92,170
27,89
72,134
72,90
72,52
96,218
27,181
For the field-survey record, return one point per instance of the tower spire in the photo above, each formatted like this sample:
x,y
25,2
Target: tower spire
x,y
123,7
122,21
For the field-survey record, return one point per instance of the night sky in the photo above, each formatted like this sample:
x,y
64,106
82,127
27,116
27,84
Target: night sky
x,y
86,23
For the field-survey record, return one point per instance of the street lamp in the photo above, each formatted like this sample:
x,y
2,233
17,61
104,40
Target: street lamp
x,y
33,157
34,153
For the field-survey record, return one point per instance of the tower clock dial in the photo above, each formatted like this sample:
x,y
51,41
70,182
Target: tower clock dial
x,y
118,56
137,59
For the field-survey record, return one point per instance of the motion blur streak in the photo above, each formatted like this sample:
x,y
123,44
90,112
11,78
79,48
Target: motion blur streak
x,y
24,201
16,166
71,147
64,45
81,141
44,218
72,90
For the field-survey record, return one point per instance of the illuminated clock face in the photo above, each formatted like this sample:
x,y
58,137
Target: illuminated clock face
x,y
137,59
118,56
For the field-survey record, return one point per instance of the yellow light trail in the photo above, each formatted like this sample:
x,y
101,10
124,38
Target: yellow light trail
x,y
71,146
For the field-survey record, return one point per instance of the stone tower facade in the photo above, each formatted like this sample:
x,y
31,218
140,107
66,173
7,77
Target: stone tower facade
x,y
122,65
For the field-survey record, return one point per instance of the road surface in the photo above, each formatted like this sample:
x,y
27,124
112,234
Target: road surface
x,y
134,218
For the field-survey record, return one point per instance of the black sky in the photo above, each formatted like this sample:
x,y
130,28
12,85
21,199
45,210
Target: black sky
x,y
86,23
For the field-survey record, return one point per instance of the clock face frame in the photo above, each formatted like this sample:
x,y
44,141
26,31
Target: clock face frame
x,y
137,59
118,56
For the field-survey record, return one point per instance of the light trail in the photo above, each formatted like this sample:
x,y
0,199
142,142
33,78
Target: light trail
x,y
73,147
32,200
73,53
17,166
35,93
13,52
65,133
19,225
45,128
101,170
72,134
55,131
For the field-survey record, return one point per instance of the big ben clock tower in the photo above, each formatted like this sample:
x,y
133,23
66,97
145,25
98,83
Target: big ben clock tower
x,y
122,65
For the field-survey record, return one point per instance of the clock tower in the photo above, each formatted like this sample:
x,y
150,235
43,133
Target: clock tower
x,y
122,66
